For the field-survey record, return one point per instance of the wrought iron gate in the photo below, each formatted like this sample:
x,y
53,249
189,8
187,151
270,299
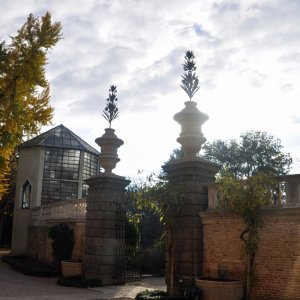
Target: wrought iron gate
x,y
128,255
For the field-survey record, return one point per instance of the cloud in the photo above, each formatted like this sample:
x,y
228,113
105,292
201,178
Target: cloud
x,y
225,7
256,78
200,31
291,57
287,87
247,47
295,119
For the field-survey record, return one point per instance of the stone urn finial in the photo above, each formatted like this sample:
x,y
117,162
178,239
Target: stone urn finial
x,y
190,118
109,142
191,137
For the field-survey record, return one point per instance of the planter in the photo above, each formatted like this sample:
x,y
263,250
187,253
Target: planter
x,y
213,289
191,137
71,268
109,144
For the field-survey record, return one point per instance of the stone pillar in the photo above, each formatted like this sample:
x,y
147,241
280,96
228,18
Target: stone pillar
x,y
292,187
106,192
191,176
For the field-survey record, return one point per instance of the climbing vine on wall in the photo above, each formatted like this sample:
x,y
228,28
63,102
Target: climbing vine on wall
x,y
245,198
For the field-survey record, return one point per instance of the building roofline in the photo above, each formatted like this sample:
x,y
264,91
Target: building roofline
x,y
40,140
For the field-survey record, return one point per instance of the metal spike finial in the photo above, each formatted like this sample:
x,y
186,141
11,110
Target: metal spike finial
x,y
111,110
190,81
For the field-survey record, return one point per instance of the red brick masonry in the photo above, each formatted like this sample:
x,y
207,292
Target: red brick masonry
x,y
277,264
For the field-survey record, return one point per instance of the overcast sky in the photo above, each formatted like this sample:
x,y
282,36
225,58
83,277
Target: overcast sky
x,y
248,63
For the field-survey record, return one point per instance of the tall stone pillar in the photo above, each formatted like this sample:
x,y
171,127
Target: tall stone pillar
x,y
191,176
103,226
105,217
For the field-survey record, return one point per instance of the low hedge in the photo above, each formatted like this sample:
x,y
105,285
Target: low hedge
x,y
155,295
79,281
28,266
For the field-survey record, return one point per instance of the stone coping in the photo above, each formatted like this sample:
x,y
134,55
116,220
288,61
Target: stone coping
x,y
285,212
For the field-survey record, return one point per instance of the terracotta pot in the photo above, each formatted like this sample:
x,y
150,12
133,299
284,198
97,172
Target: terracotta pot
x,y
213,289
71,268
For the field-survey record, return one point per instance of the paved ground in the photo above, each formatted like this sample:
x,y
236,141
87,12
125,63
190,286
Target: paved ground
x,y
17,286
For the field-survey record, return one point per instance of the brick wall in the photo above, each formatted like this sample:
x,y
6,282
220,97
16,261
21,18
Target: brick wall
x,y
40,245
277,264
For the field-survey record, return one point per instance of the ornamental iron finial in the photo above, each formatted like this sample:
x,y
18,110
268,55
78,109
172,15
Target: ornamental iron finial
x,y
111,110
190,81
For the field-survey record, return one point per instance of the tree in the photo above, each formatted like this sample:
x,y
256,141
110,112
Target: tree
x,y
7,205
175,154
24,89
256,151
163,198
244,184
245,198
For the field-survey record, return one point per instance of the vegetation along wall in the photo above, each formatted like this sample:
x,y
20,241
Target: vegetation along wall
x,y
39,245
277,263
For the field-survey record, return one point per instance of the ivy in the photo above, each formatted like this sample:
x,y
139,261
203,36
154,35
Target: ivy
x,y
245,198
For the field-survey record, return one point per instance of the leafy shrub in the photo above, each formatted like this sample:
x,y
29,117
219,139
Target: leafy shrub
x,y
28,266
155,295
62,242
153,261
79,281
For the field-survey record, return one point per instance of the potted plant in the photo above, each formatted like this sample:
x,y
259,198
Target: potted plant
x,y
62,246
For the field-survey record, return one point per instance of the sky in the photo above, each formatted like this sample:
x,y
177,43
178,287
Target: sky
x,y
247,57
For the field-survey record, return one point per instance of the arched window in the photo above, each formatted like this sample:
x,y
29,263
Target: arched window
x,y
26,197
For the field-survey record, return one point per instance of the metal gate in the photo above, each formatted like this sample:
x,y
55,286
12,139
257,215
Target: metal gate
x,y
128,253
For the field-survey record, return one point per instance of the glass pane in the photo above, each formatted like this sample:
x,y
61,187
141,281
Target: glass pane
x,y
26,195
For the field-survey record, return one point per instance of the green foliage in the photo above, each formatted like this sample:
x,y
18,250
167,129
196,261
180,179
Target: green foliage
x,y
143,228
132,232
175,154
244,198
29,267
62,242
24,90
7,204
111,111
156,194
151,228
155,295
153,259
255,152
78,281
190,81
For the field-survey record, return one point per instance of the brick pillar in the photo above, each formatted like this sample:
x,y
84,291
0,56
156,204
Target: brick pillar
x,y
106,192
192,175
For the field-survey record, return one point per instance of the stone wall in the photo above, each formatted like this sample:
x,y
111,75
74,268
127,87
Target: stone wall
x,y
277,264
40,245
29,169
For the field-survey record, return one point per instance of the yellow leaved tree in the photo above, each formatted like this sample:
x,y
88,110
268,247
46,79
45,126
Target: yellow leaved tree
x,y
24,89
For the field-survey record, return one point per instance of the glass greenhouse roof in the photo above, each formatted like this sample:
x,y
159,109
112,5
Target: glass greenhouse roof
x,y
60,137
